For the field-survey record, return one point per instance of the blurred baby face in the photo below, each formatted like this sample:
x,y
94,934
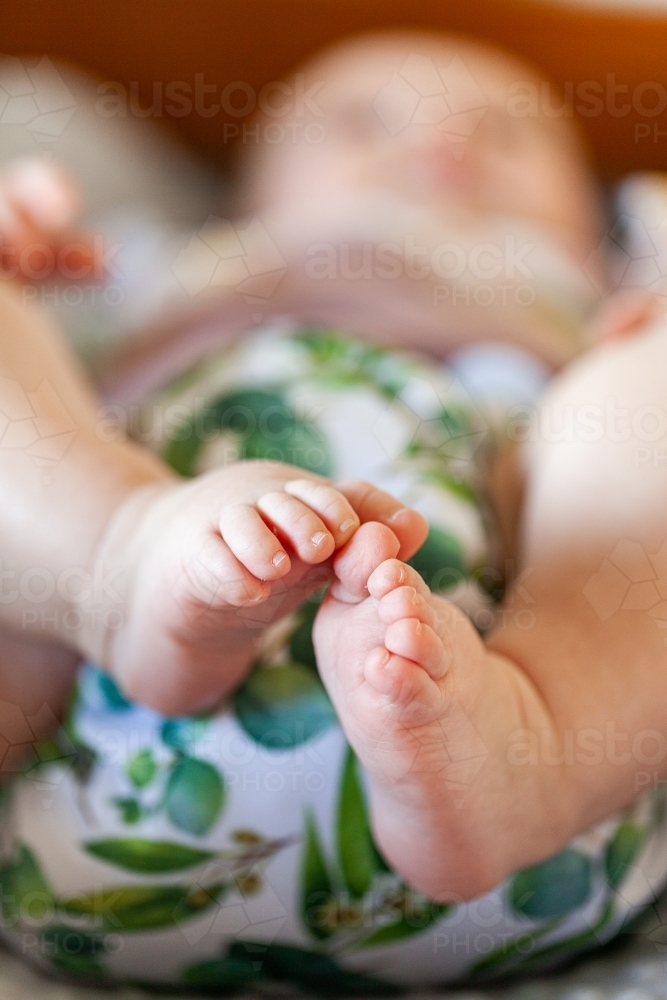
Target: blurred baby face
x,y
437,120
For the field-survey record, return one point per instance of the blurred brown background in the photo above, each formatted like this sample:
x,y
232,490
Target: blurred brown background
x,y
256,41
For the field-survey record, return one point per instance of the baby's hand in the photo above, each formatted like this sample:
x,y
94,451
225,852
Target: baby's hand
x,y
39,204
201,568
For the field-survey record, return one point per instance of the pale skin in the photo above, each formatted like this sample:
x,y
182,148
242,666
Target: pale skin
x,y
414,686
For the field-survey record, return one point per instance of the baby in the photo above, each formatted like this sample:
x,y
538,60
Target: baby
x,y
213,566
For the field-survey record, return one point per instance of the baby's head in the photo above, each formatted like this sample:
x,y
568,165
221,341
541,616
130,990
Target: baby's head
x,y
438,119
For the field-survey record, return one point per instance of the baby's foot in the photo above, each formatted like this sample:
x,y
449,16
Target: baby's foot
x,y
418,696
201,568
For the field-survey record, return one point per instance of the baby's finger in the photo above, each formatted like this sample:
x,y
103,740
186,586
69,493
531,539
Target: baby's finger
x,y
329,503
306,532
372,504
252,542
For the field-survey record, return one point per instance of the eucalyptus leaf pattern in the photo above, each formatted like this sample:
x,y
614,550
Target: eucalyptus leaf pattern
x,y
259,424
622,851
194,795
144,907
142,768
283,706
74,952
356,850
317,887
355,900
26,894
150,857
554,887
181,734
245,965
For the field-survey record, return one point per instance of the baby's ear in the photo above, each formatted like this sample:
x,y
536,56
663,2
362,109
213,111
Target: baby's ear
x,y
623,313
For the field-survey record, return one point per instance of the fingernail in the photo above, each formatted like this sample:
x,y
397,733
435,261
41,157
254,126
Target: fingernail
x,y
319,537
346,525
279,559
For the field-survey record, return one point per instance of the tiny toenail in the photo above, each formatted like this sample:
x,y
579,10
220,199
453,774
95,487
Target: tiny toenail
x,y
347,524
319,537
279,559
384,656
397,513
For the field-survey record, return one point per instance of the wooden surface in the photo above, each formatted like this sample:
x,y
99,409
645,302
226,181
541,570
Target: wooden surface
x,y
259,40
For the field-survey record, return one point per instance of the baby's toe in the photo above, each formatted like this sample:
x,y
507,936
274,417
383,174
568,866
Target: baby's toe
x,y
408,688
416,641
372,545
328,503
213,579
300,526
252,542
373,504
393,574
402,603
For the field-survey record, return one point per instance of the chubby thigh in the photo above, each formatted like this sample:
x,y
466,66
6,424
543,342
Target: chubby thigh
x,y
227,850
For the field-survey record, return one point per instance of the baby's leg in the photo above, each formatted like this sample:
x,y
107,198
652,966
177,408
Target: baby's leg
x,y
593,564
416,689
36,680
430,713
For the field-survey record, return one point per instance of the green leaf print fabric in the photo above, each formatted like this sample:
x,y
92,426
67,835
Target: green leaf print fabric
x,y
223,852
